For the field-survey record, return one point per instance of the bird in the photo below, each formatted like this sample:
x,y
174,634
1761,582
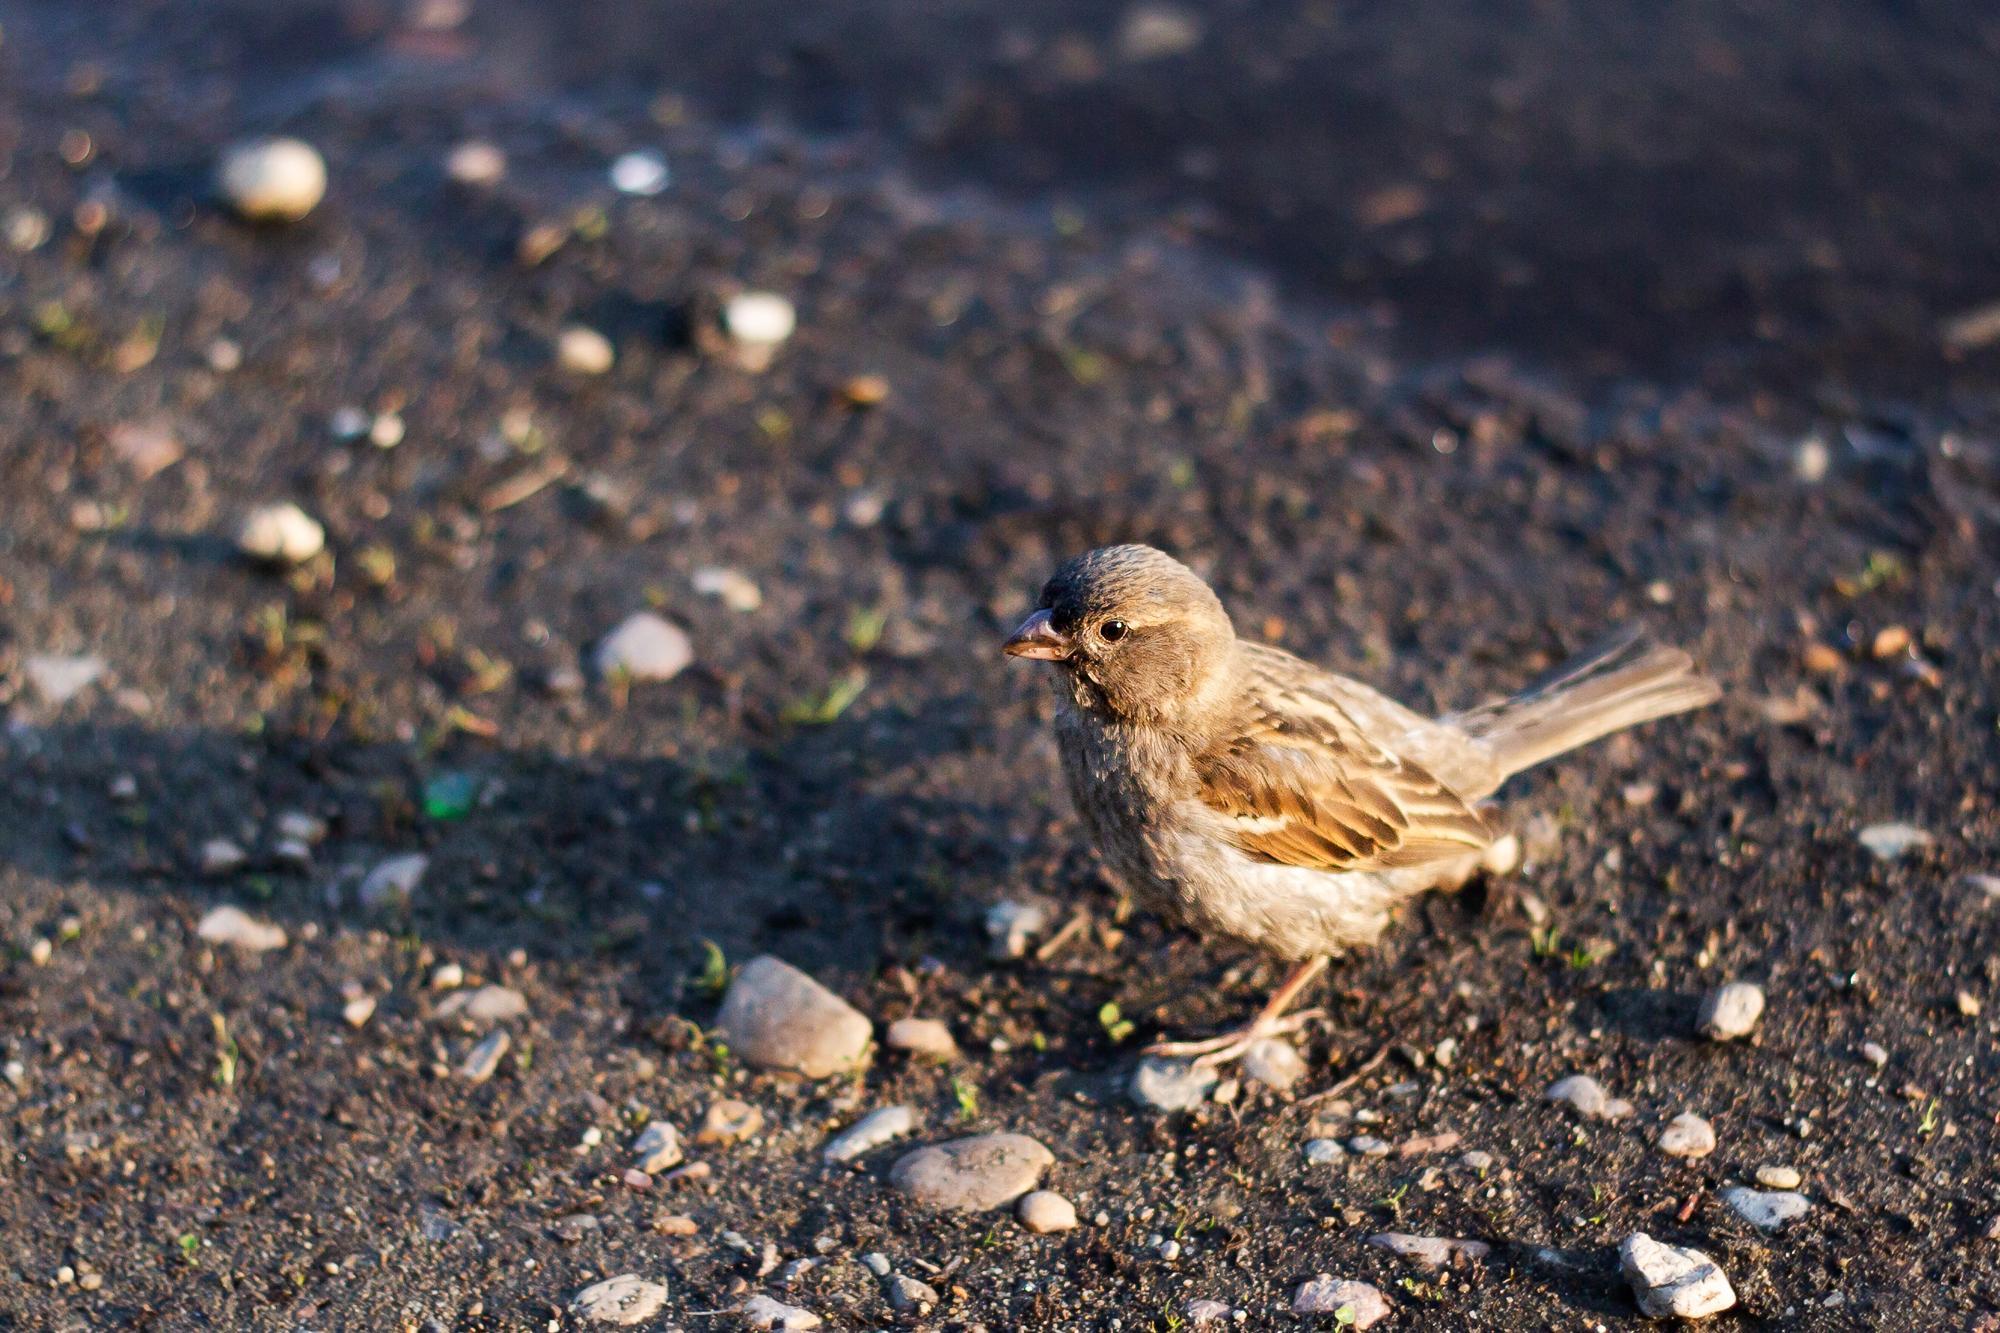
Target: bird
x,y
1247,794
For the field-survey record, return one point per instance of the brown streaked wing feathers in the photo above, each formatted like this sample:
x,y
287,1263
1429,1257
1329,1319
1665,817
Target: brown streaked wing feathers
x,y
1304,786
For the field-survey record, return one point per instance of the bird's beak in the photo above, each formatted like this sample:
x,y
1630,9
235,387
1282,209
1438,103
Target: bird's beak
x,y
1038,638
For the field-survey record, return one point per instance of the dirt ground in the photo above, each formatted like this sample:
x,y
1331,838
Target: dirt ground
x,y
1440,336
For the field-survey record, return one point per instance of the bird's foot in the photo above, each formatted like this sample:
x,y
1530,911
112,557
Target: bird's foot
x,y
1212,1051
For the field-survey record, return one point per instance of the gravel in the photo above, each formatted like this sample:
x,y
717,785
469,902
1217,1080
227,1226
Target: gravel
x,y
1327,1295
1430,1252
1767,1210
280,534
1892,842
272,180
1688,1136
1587,1097
484,1058
1731,1011
394,880
234,926
1045,1212
729,1120
644,647
762,1312
1273,1063
657,1148
777,1017
483,1004
973,1174
582,350
1673,1283
58,678
882,1125
923,1038
625,1300
1171,1085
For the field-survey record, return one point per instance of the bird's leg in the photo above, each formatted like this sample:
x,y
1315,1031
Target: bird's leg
x,y
1269,1022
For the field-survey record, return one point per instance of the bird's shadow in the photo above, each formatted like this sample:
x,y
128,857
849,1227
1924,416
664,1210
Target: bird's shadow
x,y
639,860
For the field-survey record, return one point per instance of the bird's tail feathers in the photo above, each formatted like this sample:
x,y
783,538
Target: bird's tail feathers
x,y
1620,683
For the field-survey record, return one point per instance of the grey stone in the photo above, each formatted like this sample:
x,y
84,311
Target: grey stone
x,y
1588,1098
1367,1145
1011,924
1325,1294
394,880
907,1293
220,856
870,1132
484,1058
58,678
777,1017
761,1312
1324,1152
1673,1283
657,1147
972,1174
1430,1252
1767,1210
1273,1063
1890,842
1203,1311
626,1299
1171,1085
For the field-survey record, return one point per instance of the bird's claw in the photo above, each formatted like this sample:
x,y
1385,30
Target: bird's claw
x,y
1212,1051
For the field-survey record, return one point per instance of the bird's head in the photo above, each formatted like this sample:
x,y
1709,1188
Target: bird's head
x,y
1138,634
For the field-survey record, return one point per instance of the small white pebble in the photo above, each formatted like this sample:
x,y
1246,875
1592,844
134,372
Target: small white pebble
x,y
643,173
272,180
759,319
582,350
280,534
475,162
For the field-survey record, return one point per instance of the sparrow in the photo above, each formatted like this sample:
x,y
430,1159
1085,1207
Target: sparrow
x,y
1247,794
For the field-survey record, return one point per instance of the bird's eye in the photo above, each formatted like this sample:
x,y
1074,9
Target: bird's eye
x,y
1111,631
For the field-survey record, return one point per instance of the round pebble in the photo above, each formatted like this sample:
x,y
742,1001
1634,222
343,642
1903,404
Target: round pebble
x,y
1171,1085
777,1017
924,1038
475,162
280,534
1731,1011
582,350
972,1174
644,647
272,180
1688,1136
643,173
1045,1212
1779,1177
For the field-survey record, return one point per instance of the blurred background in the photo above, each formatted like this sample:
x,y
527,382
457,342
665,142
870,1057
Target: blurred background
x,y
552,517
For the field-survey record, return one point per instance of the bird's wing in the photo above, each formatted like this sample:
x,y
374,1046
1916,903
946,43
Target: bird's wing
x,y
1300,783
